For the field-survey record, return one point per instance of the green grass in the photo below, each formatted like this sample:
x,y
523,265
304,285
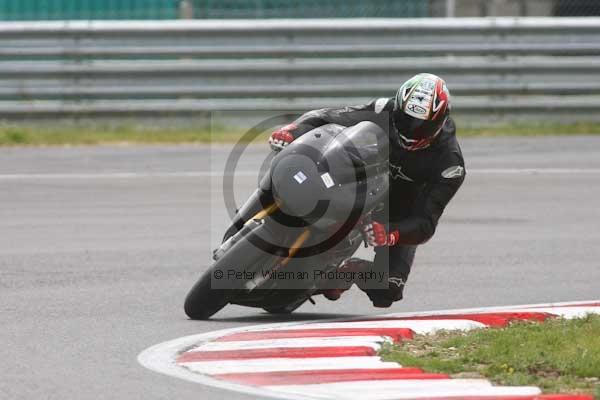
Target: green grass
x,y
97,135
559,356
90,134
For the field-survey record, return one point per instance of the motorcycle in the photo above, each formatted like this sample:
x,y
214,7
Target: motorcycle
x,y
304,220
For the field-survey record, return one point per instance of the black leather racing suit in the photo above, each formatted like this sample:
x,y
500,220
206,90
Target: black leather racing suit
x,y
422,183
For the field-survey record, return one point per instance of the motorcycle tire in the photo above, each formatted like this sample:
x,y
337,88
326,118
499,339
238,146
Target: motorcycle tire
x,y
202,301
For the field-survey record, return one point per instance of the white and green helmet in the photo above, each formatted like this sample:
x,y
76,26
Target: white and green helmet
x,y
421,108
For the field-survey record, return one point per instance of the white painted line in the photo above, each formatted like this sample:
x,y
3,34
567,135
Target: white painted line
x,y
117,175
405,389
418,326
205,174
287,364
334,341
549,171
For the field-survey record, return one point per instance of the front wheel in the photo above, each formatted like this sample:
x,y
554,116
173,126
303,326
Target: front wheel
x,y
202,301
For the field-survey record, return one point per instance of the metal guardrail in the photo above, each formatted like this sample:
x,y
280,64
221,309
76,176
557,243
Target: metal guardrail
x,y
502,65
308,51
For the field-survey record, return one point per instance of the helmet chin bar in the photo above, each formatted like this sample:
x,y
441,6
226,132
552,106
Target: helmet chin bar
x,y
413,144
419,144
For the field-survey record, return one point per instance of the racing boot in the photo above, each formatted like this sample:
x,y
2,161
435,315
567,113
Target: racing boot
x,y
383,298
352,264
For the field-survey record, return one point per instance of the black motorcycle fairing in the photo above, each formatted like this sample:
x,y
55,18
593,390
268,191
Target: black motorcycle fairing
x,y
332,165
261,198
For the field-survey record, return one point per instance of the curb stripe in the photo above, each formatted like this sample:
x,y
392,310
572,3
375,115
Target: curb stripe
x,y
286,364
539,397
593,304
508,308
567,312
396,334
277,352
417,326
340,375
403,389
494,320
335,341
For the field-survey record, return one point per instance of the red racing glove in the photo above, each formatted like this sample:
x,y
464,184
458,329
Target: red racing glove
x,y
281,137
378,236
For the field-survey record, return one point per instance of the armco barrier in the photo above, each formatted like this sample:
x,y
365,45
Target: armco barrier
x,y
546,67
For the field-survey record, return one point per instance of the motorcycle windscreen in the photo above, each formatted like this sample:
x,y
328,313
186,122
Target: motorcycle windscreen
x,y
356,163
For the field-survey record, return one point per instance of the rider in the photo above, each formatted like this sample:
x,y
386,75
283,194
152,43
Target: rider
x,y
426,170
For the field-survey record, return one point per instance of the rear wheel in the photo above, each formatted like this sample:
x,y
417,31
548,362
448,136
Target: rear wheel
x,y
202,301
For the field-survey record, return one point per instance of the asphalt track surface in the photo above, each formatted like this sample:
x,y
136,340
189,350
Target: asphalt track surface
x,y
99,245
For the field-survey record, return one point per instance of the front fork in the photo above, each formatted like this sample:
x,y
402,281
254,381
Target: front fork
x,y
259,200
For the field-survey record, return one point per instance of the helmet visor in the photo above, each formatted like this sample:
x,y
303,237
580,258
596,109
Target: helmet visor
x,y
416,133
